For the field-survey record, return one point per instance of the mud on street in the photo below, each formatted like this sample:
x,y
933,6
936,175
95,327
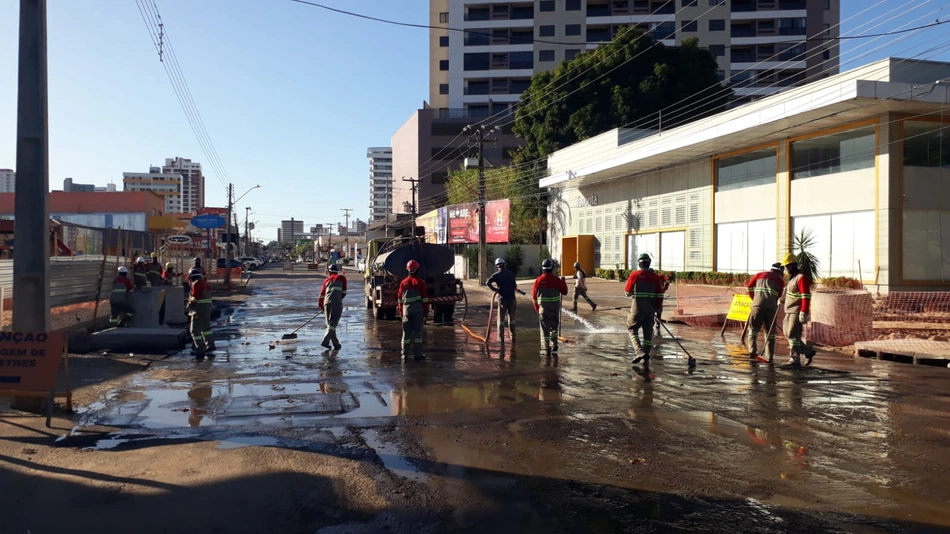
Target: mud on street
x,y
289,437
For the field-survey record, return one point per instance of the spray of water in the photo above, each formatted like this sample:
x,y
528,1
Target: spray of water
x,y
591,327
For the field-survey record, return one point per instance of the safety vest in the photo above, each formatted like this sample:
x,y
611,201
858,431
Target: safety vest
x,y
335,290
141,275
766,288
646,289
200,293
797,294
120,291
412,300
547,293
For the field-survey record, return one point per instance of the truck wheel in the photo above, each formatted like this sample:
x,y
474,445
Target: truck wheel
x,y
447,312
391,313
369,303
379,314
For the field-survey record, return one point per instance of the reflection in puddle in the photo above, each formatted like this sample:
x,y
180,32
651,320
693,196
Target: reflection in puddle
x,y
391,458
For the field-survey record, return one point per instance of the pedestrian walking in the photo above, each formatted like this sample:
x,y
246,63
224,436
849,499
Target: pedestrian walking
x,y
331,302
546,298
413,303
764,289
140,272
797,309
199,308
580,287
154,273
503,283
646,289
122,312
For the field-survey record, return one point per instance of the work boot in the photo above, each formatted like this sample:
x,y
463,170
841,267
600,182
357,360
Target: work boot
x,y
337,346
593,307
794,361
417,355
554,349
325,344
809,355
645,358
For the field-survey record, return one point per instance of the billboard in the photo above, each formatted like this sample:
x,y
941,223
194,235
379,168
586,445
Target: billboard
x,y
428,221
463,222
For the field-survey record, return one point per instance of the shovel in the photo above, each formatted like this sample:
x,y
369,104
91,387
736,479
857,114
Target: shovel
x,y
293,335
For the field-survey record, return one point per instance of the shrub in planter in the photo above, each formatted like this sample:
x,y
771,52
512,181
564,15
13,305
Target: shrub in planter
x,y
840,282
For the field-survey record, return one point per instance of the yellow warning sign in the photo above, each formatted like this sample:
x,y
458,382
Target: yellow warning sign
x,y
740,308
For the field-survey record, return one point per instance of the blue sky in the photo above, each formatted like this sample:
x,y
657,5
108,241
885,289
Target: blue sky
x,y
291,95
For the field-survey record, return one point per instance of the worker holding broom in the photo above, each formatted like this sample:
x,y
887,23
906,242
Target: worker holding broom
x,y
546,297
331,302
413,304
646,289
764,290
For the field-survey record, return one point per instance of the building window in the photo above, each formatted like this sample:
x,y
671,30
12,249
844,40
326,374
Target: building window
x,y
690,3
443,88
717,50
826,55
746,170
745,247
572,5
843,241
926,144
546,55
571,53
477,37
546,5
830,154
926,239
444,41
443,64
443,18
546,31
477,61
572,29
689,26
521,60
717,25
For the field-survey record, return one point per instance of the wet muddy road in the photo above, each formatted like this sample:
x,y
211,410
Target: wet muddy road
x,y
471,438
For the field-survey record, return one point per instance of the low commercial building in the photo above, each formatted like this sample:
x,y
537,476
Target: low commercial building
x,y
859,159
140,211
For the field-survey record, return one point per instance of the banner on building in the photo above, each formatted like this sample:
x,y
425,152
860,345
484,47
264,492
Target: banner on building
x,y
463,222
428,221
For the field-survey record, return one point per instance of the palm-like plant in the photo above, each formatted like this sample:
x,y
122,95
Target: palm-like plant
x,y
802,244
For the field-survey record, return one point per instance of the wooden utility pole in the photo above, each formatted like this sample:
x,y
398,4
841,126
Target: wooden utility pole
x,y
479,136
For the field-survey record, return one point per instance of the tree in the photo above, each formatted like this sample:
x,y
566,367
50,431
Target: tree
x,y
526,222
304,248
273,245
628,80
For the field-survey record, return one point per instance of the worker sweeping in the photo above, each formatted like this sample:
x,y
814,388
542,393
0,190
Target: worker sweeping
x,y
413,306
580,287
199,308
764,289
140,272
502,282
797,307
154,273
122,312
169,275
546,298
646,289
331,302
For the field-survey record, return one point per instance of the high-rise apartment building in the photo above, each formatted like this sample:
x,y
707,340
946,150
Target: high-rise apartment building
x,y
168,185
291,231
192,182
485,69
380,181
7,181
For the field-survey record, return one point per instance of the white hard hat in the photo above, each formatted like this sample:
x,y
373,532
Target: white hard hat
x,y
140,259
123,270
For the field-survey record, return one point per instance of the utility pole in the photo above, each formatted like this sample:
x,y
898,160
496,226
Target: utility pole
x,y
413,181
346,215
247,219
479,134
227,255
31,268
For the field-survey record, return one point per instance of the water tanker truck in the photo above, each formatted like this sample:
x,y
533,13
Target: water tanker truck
x,y
387,269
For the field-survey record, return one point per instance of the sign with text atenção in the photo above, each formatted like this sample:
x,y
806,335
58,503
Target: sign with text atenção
x,y
29,361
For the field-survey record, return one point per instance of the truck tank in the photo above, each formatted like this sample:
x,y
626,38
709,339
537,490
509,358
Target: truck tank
x,y
433,260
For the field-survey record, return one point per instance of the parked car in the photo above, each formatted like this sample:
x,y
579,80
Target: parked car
x,y
251,262
234,263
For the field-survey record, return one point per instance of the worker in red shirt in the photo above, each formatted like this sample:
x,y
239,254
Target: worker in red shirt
x,y
199,308
331,302
169,275
665,286
764,289
546,298
119,299
646,289
140,272
797,309
413,307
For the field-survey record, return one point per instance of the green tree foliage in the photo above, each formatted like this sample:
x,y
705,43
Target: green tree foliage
x,y
625,81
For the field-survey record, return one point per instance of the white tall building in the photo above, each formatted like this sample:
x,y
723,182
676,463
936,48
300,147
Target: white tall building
x,y
168,185
192,182
485,69
7,181
380,181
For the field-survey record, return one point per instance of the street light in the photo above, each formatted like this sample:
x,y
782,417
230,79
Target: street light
x,y
227,267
